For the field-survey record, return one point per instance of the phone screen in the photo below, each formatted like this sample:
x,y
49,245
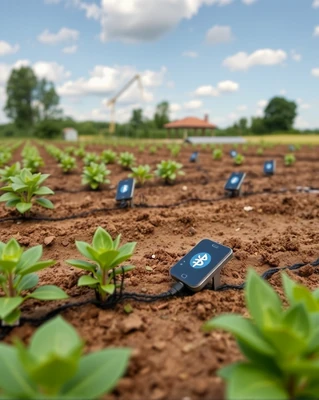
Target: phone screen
x,y
200,263
125,189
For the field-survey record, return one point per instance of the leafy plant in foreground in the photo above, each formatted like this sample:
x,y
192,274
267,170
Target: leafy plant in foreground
x,y
17,274
8,171
106,256
239,159
95,175
281,346
217,154
24,188
290,159
141,173
53,367
67,163
126,160
168,170
108,156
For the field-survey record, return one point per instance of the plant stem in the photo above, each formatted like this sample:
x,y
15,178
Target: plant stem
x,y
10,285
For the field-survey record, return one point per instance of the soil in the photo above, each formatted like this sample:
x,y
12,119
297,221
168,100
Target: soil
x,y
172,358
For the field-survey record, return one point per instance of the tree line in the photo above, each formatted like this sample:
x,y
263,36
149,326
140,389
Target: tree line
x,y
33,106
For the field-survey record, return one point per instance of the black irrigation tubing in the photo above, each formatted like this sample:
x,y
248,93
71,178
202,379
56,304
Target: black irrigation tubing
x,y
155,206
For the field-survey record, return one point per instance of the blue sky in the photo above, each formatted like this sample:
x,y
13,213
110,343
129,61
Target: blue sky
x,y
225,58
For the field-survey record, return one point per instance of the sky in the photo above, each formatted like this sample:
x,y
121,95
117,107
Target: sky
x,y
224,58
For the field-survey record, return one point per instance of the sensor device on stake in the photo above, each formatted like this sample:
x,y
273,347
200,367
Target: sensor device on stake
x,y
194,157
202,265
233,153
270,167
233,185
125,192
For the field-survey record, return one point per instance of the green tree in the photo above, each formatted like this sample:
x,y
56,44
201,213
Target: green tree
x,y
21,94
280,114
137,118
48,100
258,126
161,116
243,124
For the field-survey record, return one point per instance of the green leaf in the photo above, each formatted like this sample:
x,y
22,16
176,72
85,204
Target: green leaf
x,y
243,329
8,305
107,258
29,257
299,294
23,207
102,240
9,196
42,191
98,374
48,292
14,381
121,270
126,252
116,242
250,382
93,253
45,203
86,280
262,301
12,203
110,288
82,247
28,282
37,267
82,264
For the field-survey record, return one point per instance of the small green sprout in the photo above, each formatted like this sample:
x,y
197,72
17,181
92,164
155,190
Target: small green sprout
x,y
80,152
91,158
5,157
107,257
108,156
33,163
153,150
217,154
17,275
8,171
95,175
239,159
168,170
175,150
53,366
126,160
280,344
67,163
141,173
260,151
290,159
25,188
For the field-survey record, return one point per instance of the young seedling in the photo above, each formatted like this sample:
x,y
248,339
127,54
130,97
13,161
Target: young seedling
x,y
23,190
239,159
106,256
5,157
290,159
260,151
53,366
67,163
7,172
33,162
108,156
168,170
80,152
91,158
153,150
142,173
217,154
280,345
17,275
95,175
175,150
126,160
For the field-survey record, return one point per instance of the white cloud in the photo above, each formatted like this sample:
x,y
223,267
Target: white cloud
x,y
243,61
63,35
170,84
52,1
222,87
283,92
174,107
146,20
233,116
51,71
295,56
107,81
248,2
315,4
70,49
262,103
302,104
193,104
190,54
219,34
315,72
7,48
316,31
242,107
301,123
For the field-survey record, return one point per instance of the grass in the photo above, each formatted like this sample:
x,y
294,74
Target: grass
x,y
284,139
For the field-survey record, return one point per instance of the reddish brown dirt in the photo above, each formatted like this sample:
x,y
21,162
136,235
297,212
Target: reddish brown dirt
x,y
172,358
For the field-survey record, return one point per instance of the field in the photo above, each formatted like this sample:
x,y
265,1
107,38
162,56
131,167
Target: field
x,y
172,358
